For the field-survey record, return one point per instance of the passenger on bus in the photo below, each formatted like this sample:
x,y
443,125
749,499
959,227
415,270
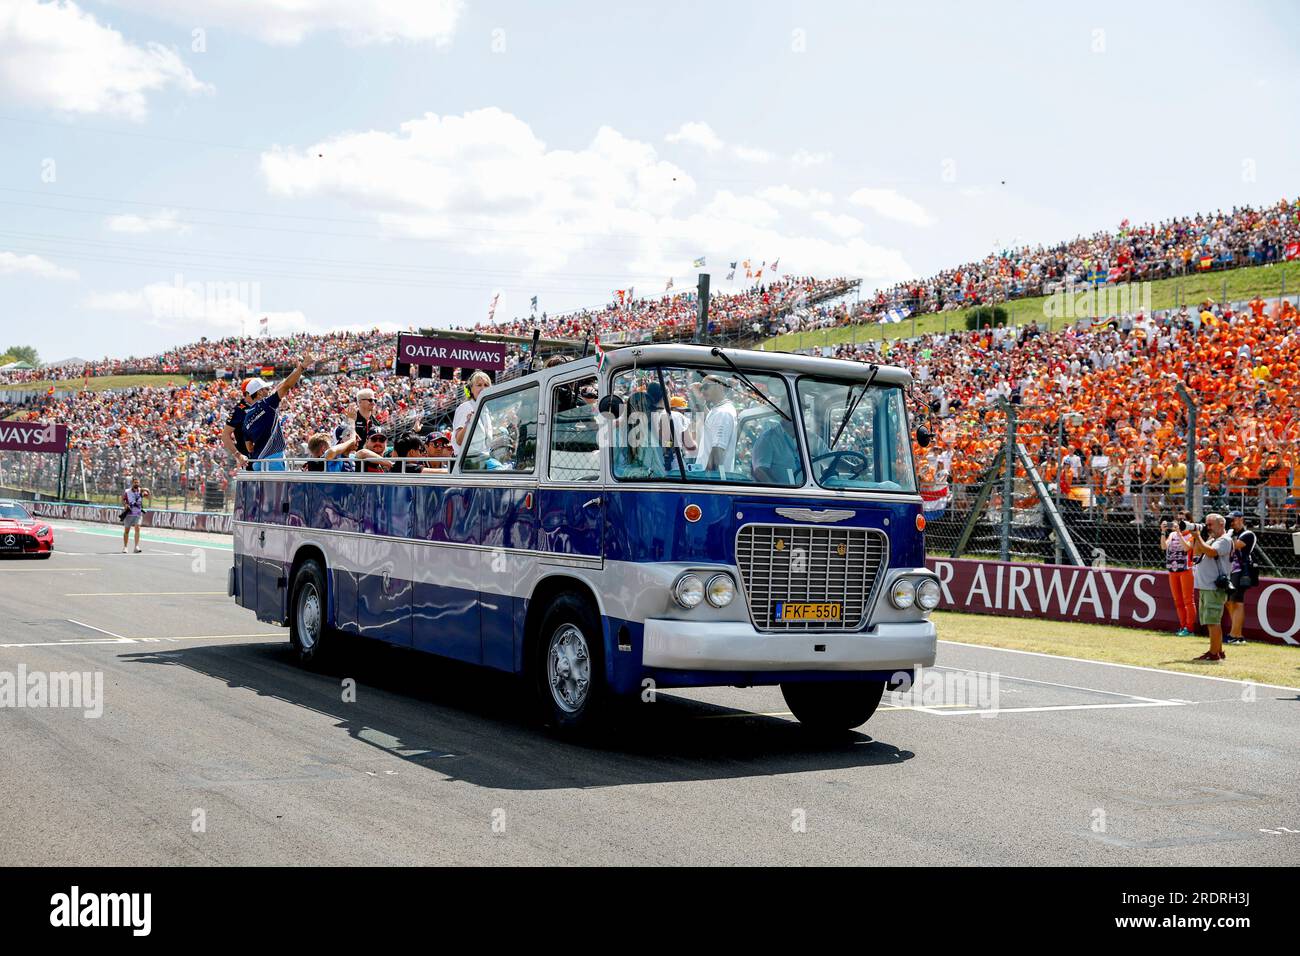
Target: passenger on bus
x,y
717,439
636,453
372,457
409,449
438,445
327,457
465,411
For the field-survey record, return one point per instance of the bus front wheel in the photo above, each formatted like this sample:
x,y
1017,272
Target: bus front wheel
x,y
569,667
829,707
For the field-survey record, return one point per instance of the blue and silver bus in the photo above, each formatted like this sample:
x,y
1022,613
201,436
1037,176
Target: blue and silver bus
x,y
665,516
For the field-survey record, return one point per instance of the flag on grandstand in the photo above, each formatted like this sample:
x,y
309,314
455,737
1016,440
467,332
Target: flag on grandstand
x,y
698,263
618,295
264,322
1292,251
897,315
534,304
1115,274
775,263
268,371
1205,263
600,355
935,499
732,274
492,309
733,267
669,284
368,361
631,293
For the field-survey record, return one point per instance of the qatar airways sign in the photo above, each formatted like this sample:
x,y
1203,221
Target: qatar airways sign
x,y
450,353
33,436
1122,596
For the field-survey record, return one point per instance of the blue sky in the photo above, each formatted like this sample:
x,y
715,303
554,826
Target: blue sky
x,y
337,164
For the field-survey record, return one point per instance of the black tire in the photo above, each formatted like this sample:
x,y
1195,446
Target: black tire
x,y
568,668
833,707
308,615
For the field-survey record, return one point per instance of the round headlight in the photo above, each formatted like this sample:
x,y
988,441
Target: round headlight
x,y
927,594
688,591
721,590
903,595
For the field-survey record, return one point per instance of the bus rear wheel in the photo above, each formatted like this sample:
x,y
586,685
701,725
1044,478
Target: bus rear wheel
x,y
833,707
308,633
569,667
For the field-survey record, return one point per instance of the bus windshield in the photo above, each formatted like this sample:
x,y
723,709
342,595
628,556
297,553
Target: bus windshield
x,y
857,435
714,426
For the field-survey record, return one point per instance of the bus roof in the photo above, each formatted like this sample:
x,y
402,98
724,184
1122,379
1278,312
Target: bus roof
x,y
751,359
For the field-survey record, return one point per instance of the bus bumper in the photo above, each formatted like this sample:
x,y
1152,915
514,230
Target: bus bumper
x,y
736,646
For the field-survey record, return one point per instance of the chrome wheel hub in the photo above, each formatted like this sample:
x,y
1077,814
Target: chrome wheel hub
x,y
568,668
309,617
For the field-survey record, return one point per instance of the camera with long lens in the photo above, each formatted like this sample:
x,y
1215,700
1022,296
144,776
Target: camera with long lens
x,y
1184,525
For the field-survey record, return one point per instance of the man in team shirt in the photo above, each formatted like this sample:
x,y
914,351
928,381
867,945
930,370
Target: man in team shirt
x,y
263,433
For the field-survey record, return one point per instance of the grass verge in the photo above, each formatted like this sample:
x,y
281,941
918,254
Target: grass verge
x,y
101,384
1254,661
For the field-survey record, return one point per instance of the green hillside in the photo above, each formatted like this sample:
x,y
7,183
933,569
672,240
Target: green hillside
x,y
1165,293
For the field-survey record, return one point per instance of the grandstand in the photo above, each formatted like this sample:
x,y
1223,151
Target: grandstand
x,y
1099,390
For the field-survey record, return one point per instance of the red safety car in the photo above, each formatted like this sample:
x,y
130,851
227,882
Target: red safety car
x,y
23,534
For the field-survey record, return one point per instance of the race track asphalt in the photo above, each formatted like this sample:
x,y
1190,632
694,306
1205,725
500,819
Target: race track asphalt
x,y
214,747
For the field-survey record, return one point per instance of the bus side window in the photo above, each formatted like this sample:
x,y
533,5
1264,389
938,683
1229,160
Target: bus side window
x,y
505,434
575,451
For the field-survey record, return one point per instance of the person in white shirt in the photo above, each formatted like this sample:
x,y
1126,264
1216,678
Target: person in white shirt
x,y
465,411
716,441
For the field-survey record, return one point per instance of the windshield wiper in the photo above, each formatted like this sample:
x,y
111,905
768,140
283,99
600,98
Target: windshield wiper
x,y
752,387
853,406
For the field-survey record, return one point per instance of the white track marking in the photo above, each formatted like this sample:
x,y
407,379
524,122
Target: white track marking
x,y
1048,683
1132,667
137,593
136,640
120,638
46,570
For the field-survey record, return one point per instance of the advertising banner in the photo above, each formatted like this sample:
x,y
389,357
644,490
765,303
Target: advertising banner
x,y
450,353
1126,597
33,436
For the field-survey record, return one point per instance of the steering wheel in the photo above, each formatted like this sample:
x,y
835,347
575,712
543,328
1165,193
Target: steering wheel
x,y
833,469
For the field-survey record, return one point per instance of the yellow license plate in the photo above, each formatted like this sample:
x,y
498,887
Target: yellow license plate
x,y
802,611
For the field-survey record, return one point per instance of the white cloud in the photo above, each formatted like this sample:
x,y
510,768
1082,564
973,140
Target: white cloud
x,y
841,225
795,198
288,22
751,154
696,134
14,264
487,183
804,158
200,308
165,220
55,56
892,205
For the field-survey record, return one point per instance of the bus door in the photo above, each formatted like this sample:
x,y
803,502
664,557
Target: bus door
x,y
572,514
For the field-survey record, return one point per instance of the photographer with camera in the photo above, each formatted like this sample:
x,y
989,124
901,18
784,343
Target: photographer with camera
x,y
1242,576
1210,576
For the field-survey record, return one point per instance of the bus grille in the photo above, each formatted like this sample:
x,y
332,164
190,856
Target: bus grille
x,y
796,563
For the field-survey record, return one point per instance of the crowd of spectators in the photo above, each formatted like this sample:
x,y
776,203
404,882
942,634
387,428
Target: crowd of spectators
x,y
1099,412
1246,236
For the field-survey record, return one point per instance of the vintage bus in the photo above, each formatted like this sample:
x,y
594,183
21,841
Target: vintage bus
x,y
665,516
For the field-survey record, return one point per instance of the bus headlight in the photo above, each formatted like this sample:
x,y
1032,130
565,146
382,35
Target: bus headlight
x,y
927,594
688,591
903,595
721,590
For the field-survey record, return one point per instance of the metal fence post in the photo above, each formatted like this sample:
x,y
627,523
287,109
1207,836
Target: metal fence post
x,y
1008,479
1192,504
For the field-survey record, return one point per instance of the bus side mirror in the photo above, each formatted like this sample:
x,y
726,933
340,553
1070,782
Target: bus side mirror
x,y
611,404
923,436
